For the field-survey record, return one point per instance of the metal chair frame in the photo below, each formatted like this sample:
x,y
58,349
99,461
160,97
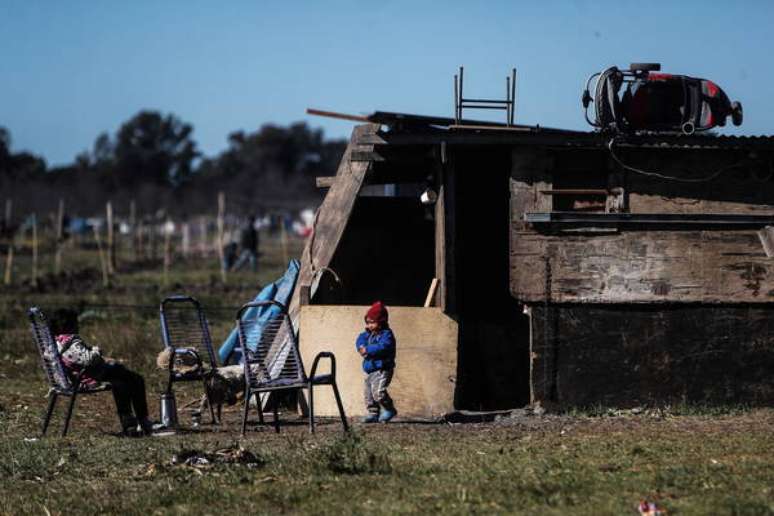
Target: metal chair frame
x,y
275,364
171,333
61,383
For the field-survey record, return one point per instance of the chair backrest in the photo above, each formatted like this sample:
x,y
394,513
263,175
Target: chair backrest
x,y
269,345
48,351
184,325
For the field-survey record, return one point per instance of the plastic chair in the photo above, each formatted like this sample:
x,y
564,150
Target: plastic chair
x,y
59,381
272,361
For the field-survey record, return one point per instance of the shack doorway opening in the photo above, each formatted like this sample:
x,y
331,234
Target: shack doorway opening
x,y
493,359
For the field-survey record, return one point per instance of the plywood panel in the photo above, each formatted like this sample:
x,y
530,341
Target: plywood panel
x,y
426,361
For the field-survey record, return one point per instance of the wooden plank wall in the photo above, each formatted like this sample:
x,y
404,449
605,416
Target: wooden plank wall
x,y
625,266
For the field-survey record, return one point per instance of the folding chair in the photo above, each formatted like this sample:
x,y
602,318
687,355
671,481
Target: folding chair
x,y
59,381
272,361
183,327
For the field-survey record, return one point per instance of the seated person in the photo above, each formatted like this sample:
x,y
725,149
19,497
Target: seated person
x,y
128,386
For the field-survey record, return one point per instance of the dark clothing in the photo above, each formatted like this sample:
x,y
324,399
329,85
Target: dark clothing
x,y
128,390
248,241
380,350
248,238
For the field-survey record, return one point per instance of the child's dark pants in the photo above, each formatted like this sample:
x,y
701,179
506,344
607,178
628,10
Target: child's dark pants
x,y
128,390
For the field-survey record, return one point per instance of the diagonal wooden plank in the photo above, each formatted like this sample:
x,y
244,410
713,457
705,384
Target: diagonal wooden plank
x,y
330,222
333,215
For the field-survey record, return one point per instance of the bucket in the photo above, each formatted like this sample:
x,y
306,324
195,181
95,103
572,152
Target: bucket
x,y
168,410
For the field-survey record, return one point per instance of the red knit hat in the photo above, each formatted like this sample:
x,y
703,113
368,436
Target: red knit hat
x,y
377,313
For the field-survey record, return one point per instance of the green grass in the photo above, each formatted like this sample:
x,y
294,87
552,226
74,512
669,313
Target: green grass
x,y
690,459
589,469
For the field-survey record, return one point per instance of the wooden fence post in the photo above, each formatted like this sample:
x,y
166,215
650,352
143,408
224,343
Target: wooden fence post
x,y
133,227
138,254
221,228
59,237
111,247
102,260
203,237
168,229
9,261
11,239
34,249
185,243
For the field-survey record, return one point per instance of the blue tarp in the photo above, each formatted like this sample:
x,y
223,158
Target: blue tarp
x,y
280,291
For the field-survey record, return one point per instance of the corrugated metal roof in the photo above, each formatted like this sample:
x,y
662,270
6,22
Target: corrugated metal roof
x,y
432,126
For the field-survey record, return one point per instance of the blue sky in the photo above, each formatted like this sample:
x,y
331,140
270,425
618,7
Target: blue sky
x,y
70,70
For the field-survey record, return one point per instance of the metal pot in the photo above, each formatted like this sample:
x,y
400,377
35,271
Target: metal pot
x,y
168,410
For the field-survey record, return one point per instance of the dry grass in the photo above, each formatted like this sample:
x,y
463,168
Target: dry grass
x,y
694,460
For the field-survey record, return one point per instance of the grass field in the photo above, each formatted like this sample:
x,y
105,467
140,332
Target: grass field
x,y
690,460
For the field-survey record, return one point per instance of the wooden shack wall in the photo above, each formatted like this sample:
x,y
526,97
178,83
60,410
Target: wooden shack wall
x,y
629,355
631,315
658,265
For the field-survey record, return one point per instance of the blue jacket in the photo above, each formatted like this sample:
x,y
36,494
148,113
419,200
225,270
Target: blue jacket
x,y
380,350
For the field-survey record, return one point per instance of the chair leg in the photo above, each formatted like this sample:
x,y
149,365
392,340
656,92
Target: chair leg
x,y
247,406
209,402
69,413
52,397
276,416
259,406
341,406
311,408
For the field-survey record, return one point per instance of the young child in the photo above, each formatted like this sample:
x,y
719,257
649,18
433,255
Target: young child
x,y
377,347
128,386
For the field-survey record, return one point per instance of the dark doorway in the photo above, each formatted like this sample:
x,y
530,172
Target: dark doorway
x,y
386,253
493,359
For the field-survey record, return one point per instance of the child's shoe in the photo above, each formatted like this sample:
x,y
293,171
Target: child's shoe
x,y
387,415
371,418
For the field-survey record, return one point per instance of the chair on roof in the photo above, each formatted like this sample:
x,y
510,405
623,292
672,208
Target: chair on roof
x,y
60,383
272,361
184,329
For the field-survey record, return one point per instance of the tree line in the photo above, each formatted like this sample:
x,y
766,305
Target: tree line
x,y
154,161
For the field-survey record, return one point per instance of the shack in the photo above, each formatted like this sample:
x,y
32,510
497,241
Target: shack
x,y
562,267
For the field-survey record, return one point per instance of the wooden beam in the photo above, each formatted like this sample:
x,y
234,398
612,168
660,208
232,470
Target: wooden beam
x,y
581,140
325,181
305,295
366,156
431,293
440,237
340,116
575,191
332,217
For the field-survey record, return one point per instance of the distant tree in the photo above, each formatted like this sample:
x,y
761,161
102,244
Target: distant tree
x,y
291,152
150,148
5,142
103,151
21,165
